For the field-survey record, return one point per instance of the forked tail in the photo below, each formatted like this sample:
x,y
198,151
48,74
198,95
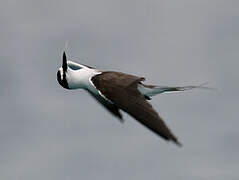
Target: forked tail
x,y
151,90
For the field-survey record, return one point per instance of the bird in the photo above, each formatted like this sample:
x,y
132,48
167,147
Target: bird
x,y
118,91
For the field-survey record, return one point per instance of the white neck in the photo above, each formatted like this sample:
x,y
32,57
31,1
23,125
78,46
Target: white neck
x,y
80,78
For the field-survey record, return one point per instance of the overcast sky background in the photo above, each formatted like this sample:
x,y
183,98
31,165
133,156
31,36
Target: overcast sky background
x,y
47,132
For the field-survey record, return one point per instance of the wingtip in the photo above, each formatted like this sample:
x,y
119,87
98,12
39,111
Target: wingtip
x,y
176,141
179,144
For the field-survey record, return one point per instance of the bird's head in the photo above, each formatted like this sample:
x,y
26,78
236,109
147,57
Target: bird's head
x,y
71,75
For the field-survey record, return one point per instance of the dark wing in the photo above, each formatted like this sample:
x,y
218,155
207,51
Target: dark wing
x,y
109,106
122,90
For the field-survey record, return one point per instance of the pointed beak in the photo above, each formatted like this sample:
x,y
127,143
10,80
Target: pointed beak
x,y
64,62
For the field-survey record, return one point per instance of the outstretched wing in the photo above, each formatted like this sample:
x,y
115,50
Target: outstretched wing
x,y
122,90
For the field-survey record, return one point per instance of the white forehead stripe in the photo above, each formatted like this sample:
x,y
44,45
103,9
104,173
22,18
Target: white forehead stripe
x,y
61,71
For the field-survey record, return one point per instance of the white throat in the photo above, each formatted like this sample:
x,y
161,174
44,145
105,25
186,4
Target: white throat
x,y
80,78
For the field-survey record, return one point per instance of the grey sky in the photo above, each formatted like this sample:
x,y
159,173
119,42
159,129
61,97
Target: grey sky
x,y
50,133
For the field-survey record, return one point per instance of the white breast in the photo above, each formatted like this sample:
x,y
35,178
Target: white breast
x,y
81,78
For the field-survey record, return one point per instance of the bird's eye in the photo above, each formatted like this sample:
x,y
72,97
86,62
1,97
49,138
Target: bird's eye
x,y
74,67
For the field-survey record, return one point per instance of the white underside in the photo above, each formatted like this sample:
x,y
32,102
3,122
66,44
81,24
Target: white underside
x,y
81,78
